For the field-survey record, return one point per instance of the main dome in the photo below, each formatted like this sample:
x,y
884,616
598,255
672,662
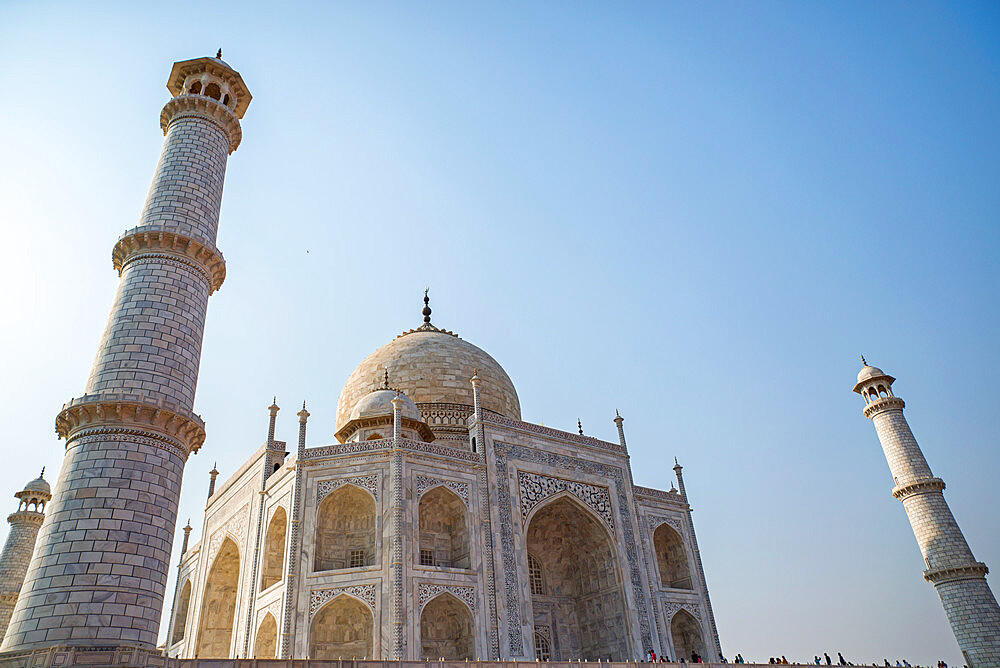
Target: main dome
x,y
431,366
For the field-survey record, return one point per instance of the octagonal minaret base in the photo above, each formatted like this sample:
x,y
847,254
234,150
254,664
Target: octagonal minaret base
x,y
101,563
958,578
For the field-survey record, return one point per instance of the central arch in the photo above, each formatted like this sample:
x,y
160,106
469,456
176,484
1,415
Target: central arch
x,y
343,628
446,630
345,530
218,609
579,592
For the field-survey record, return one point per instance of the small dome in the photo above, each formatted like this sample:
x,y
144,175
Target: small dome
x,y
38,486
379,403
868,372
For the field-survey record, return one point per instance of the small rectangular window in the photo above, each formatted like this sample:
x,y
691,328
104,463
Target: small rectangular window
x,y
357,558
426,557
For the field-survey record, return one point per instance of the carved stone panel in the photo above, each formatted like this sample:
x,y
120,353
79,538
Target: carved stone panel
x,y
536,488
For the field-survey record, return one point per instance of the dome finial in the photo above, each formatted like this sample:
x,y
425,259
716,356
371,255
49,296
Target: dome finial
x,y
863,360
42,474
385,381
219,54
427,308
579,426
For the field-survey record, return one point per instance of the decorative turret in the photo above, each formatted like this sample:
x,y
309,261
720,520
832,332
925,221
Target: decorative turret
x,y
959,579
212,476
135,422
24,526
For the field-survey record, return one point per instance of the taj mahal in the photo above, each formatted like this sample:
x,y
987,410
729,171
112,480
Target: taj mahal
x,y
434,525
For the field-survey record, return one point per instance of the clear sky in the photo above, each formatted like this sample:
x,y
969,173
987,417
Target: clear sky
x,y
697,213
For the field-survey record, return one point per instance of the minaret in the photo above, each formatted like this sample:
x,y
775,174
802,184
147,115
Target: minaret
x,y
397,611
959,579
129,436
14,560
212,475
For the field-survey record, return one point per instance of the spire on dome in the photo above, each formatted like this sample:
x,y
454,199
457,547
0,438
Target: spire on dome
x,y
219,54
579,426
863,362
427,308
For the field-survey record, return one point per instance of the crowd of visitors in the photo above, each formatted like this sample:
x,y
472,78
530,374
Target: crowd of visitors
x,y
652,657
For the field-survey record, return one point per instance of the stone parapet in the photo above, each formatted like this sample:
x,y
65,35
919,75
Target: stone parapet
x,y
918,487
885,403
157,241
200,106
967,572
158,420
26,517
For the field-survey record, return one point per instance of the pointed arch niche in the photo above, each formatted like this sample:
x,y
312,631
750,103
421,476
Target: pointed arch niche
x,y
345,530
686,636
180,620
671,558
218,609
579,593
274,550
343,628
444,529
446,629
266,645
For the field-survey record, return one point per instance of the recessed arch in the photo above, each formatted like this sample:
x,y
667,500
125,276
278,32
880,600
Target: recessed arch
x,y
180,618
266,644
446,629
218,609
343,628
672,558
583,601
686,635
274,550
444,529
345,529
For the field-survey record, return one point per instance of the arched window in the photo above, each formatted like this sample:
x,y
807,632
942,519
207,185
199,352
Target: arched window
x,y
543,651
343,629
219,606
213,91
180,620
671,558
225,100
266,645
686,636
444,531
446,630
535,576
195,88
345,530
274,550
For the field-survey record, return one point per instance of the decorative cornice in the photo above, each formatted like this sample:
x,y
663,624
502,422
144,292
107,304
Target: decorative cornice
x,y
114,412
885,403
918,487
26,517
354,425
967,572
199,106
9,599
387,444
503,421
151,241
659,494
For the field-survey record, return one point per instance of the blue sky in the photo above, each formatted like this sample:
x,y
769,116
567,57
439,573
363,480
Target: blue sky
x,y
697,213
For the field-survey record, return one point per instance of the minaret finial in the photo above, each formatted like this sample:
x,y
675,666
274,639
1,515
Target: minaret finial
x,y
863,360
427,308
42,473
579,426
219,54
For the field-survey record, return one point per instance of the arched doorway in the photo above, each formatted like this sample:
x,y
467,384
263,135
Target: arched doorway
x,y
686,634
446,630
180,620
671,558
579,594
266,645
343,628
274,550
345,530
218,610
444,530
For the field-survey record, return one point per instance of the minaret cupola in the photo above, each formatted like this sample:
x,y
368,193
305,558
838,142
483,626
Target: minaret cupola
x,y
210,77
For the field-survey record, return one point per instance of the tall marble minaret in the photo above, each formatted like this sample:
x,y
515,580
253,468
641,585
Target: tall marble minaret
x,y
959,579
130,434
16,555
